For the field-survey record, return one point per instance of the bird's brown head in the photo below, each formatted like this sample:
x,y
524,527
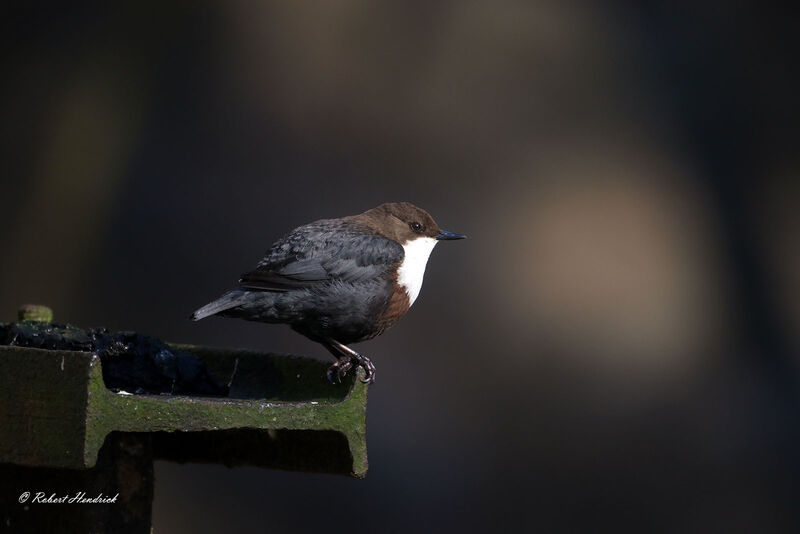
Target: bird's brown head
x,y
404,222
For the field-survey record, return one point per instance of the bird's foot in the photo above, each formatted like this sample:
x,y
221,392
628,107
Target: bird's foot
x,y
339,369
369,369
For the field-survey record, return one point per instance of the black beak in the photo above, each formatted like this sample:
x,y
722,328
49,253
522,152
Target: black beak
x,y
444,235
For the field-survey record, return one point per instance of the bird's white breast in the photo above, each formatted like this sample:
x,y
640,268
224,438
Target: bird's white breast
x,y
412,270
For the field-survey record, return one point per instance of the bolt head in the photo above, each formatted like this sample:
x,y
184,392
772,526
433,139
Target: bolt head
x,y
35,312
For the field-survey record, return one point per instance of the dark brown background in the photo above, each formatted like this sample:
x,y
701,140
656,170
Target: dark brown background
x,y
614,348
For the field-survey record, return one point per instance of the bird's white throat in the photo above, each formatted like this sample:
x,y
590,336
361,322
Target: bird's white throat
x,y
412,270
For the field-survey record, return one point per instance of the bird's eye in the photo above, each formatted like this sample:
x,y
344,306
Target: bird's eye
x,y
417,227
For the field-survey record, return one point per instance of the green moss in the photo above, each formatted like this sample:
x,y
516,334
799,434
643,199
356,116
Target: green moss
x,y
108,411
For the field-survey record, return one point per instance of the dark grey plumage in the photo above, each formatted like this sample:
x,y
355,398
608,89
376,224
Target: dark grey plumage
x,y
322,251
326,279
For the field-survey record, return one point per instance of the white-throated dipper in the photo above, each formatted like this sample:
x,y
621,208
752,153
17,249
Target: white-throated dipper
x,y
339,281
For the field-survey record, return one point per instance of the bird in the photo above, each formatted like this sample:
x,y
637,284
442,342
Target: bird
x,y
339,281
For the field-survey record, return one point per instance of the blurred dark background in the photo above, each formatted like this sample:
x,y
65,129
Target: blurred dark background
x,y
614,348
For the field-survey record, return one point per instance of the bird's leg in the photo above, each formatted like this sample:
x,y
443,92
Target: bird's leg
x,y
345,358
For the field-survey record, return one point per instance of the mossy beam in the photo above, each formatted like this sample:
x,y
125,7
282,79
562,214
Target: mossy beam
x,y
56,411
108,411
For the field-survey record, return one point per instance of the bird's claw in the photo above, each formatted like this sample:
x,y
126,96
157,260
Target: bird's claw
x,y
339,369
369,370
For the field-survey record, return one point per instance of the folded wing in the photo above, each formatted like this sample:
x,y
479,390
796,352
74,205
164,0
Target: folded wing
x,y
321,252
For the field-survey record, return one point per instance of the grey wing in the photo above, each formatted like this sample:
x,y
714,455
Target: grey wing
x,y
320,252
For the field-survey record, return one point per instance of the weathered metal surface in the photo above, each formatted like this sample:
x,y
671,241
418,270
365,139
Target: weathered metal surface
x,y
130,361
55,411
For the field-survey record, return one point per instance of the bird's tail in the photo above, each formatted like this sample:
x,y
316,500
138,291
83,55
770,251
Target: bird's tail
x,y
229,300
